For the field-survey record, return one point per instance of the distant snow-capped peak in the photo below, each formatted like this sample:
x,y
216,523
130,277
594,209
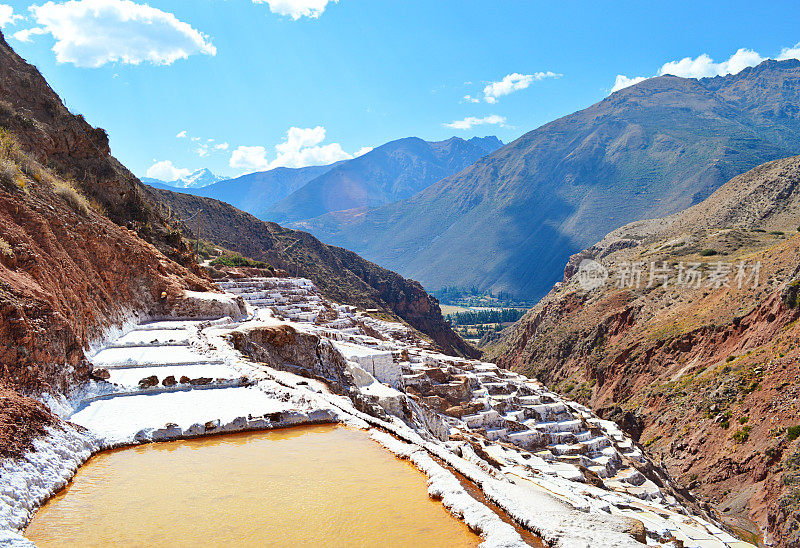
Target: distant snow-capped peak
x,y
198,179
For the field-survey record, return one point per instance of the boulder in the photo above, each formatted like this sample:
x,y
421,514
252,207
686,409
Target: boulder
x,y
200,381
101,374
148,382
169,381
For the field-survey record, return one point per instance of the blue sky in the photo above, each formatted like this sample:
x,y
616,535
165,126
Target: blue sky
x,y
358,73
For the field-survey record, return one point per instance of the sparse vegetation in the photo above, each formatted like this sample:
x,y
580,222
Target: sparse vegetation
x,y
10,154
5,248
708,252
793,432
75,199
15,165
742,435
505,315
651,441
98,207
238,260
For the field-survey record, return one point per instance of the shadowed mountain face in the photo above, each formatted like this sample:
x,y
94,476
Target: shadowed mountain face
x,y
511,220
391,172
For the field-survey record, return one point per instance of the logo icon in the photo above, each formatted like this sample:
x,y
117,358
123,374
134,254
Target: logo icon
x,y
592,275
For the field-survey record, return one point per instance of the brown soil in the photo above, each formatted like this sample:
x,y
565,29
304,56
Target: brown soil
x,y
21,421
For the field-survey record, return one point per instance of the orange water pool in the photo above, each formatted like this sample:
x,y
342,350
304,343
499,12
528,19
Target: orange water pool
x,y
310,486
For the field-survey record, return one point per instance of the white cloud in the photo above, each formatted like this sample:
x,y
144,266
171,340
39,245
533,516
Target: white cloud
x,y
194,139
704,66
297,8
300,148
623,82
250,158
181,135
470,121
25,34
362,151
221,146
202,150
471,99
7,15
165,171
91,33
790,53
513,82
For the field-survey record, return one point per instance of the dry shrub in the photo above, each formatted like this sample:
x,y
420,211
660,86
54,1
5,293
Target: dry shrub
x,y
97,207
9,147
10,174
5,248
15,164
10,160
74,198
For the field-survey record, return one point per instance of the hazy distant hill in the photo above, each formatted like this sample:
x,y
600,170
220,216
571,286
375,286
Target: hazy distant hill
x,y
255,192
511,220
388,173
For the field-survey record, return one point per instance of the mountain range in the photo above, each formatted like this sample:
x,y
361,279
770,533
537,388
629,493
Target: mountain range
x,y
512,219
390,172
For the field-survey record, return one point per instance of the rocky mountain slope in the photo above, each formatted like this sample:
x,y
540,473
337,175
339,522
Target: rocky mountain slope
x,y
388,173
340,274
76,152
511,220
68,270
702,371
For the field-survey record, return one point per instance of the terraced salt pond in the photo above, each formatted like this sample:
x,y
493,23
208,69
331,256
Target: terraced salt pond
x,y
307,486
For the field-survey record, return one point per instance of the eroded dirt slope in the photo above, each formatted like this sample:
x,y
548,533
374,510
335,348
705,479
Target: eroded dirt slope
x,y
75,151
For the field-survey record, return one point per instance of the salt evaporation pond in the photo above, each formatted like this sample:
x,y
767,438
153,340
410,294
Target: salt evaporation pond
x,y
308,486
